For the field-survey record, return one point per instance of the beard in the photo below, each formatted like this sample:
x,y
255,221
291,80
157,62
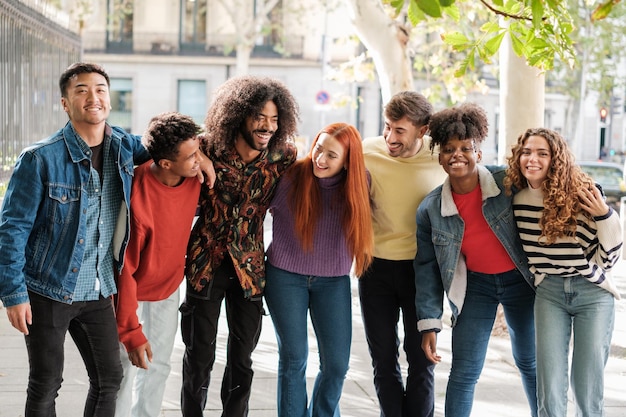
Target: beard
x,y
249,138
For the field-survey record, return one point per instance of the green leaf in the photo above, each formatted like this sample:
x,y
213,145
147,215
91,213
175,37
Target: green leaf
x,y
430,7
493,45
517,45
537,8
446,3
456,39
453,12
414,14
602,11
490,27
462,69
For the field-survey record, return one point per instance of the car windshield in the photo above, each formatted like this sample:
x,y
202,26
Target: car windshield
x,y
606,176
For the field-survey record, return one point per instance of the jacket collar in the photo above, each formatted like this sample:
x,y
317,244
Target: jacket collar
x,y
488,189
74,148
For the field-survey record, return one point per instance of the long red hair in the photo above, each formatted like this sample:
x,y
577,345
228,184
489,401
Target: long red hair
x,y
305,197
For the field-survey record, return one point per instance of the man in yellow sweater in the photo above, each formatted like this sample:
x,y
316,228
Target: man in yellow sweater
x,y
403,171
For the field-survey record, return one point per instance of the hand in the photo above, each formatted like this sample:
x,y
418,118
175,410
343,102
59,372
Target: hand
x,y
138,356
429,346
592,201
20,317
206,167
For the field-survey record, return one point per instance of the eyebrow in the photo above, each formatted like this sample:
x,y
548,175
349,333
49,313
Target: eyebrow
x,y
85,85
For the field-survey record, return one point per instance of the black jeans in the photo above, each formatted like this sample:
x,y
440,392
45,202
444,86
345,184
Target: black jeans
x,y
92,326
200,314
387,288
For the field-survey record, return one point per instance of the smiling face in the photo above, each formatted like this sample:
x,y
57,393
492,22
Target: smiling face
x,y
259,128
328,156
87,99
187,161
534,160
402,137
459,158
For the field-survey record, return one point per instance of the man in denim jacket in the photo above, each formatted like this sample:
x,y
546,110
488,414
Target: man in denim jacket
x,y
56,256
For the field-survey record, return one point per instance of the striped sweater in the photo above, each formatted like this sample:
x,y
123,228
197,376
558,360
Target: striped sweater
x,y
591,253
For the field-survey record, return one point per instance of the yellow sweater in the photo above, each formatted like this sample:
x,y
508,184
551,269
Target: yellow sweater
x,y
398,187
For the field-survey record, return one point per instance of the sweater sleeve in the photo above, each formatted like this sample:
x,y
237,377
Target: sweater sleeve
x,y
128,326
610,240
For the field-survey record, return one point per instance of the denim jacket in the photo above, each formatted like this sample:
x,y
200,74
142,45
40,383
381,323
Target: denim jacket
x,y
43,222
439,263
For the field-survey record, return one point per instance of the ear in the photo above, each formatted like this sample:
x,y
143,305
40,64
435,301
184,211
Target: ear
x,y
165,163
479,156
64,104
422,131
439,157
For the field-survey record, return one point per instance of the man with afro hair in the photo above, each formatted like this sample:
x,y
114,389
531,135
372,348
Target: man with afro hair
x,y
249,137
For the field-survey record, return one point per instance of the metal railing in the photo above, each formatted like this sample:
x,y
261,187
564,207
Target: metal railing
x,y
36,46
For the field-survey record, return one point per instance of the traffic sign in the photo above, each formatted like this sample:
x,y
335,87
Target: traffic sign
x,y
322,97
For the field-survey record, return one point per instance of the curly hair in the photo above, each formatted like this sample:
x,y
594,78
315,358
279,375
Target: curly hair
x,y
166,132
80,68
560,188
467,121
305,196
409,104
242,97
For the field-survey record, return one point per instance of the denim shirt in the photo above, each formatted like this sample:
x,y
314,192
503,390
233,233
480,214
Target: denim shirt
x,y
43,226
439,264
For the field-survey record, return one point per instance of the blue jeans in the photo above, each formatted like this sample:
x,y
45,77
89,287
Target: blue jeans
x,y
289,298
92,326
470,336
563,306
385,289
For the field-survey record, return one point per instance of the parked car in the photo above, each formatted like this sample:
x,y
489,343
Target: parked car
x,y
611,177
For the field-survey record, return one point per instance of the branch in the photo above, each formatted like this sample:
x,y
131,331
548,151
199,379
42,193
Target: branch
x,y
505,14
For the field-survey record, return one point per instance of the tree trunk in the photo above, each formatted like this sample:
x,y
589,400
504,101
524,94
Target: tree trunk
x,y
386,42
522,99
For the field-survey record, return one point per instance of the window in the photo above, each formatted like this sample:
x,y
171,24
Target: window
x,y
120,26
192,99
193,20
121,103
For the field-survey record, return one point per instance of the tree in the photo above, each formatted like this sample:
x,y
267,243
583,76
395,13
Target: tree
x,y
386,39
249,24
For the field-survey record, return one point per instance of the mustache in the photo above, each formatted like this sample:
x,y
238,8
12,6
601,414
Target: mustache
x,y
271,132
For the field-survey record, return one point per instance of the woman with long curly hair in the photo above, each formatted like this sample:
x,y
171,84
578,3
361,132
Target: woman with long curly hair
x,y
572,239
468,246
321,226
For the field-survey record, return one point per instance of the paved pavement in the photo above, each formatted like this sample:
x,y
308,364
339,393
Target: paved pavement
x,y
499,391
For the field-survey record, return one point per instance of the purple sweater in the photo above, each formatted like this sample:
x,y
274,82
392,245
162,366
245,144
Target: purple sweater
x,y
330,256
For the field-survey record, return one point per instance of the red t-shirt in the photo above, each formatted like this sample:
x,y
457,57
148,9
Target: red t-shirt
x,y
483,251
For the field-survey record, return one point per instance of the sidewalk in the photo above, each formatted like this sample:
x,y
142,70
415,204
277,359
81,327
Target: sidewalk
x,y
498,393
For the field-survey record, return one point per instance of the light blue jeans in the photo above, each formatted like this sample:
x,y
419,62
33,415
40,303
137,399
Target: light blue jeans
x,y
141,392
566,307
471,333
289,298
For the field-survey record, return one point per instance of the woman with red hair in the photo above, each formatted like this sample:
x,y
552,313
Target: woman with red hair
x,y
321,226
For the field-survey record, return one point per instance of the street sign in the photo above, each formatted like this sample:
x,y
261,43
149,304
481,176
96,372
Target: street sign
x,y
322,97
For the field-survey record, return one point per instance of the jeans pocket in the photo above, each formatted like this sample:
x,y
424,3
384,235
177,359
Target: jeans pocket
x,y
186,324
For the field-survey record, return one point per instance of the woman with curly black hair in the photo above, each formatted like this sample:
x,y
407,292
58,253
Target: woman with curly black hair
x,y
468,246
249,131
572,239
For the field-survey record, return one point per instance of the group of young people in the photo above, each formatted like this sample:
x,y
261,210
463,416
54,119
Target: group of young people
x,y
92,214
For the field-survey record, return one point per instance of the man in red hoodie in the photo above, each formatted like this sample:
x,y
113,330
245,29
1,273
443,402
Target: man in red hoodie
x,y
164,199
